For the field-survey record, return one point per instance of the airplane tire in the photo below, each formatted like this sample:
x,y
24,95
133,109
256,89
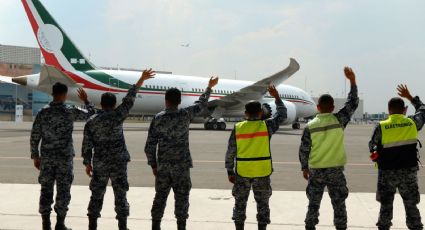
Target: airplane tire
x,y
222,126
215,126
296,126
208,126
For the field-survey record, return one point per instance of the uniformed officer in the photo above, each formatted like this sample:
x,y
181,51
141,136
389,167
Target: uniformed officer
x,y
394,148
249,147
53,126
103,133
322,156
169,133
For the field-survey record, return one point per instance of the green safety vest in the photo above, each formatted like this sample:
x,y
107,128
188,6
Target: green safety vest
x,y
327,137
398,143
253,157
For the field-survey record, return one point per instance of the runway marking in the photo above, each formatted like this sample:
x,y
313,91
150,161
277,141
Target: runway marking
x,y
198,161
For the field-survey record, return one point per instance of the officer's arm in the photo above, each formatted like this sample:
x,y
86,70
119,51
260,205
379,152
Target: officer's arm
x,y
36,137
127,103
83,114
344,115
231,154
305,149
87,147
419,116
278,118
151,145
202,103
375,141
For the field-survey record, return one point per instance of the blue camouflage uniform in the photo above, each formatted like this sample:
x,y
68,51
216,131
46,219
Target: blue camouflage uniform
x,y
53,126
105,149
405,179
167,150
332,178
261,186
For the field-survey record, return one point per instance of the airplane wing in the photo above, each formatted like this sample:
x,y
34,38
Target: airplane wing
x,y
4,79
257,90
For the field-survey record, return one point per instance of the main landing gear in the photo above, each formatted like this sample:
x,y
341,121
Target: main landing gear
x,y
296,125
214,124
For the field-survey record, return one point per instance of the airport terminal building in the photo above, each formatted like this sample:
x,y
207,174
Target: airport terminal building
x,y
17,61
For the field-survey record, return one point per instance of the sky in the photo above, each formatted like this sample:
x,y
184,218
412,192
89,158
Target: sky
x,y
382,40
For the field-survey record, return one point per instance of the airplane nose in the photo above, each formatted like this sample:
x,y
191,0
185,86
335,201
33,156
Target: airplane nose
x,y
20,80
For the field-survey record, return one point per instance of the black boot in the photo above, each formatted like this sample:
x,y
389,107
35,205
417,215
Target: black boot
x,y
262,226
92,223
47,225
310,228
122,223
181,224
156,225
60,223
239,225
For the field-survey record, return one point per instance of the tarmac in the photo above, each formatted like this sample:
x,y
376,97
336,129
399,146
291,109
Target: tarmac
x,y
211,199
210,209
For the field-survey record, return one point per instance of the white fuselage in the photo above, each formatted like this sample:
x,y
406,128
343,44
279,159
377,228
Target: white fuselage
x,y
150,99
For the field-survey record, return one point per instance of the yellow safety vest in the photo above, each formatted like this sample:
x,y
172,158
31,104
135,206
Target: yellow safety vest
x,y
398,143
253,158
327,147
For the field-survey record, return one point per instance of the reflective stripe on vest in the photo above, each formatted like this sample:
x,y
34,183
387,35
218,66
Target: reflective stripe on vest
x,y
253,158
399,142
327,147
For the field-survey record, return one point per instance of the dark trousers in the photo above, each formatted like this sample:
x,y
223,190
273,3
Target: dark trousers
x,y
102,172
178,179
334,180
406,181
262,193
61,172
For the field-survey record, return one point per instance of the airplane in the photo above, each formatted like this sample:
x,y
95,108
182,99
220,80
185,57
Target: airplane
x,y
65,63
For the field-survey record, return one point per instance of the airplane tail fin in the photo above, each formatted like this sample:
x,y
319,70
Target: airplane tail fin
x,y
57,48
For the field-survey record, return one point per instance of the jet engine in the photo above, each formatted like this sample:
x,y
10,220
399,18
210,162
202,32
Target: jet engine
x,y
269,109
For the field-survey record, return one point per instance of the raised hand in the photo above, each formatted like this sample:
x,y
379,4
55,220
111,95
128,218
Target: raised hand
x,y
350,75
306,174
232,179
37,163
213,82
89,170
273,92
82,95
403,91
146,75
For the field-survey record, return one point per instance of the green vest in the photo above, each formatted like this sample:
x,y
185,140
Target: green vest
x,y
327,147
253,158
398,143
